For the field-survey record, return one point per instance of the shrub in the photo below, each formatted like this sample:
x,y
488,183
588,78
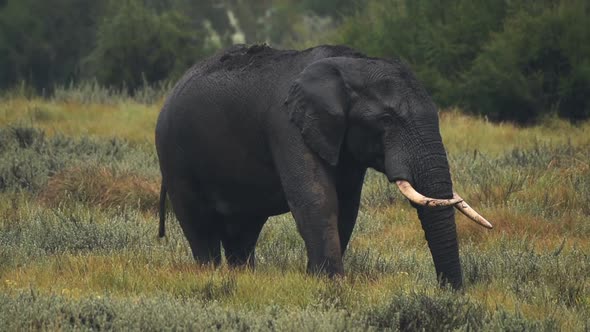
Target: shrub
x,y
415,312
537,65
448,312
28,158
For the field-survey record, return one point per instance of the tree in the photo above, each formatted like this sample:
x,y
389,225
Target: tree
x,y
42,41
439,38
333,8
137,45
509,60
538,64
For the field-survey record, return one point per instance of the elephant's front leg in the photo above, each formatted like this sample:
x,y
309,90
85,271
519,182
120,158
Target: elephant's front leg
x,y
319,229
350,179
311,193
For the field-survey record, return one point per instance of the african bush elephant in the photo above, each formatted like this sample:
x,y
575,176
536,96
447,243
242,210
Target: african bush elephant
x,y
254,132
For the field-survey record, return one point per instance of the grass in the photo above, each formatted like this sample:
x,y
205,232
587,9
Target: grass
x,y
125,119
79,248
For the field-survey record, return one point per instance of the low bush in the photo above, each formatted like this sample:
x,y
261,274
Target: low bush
x,y
101,186
405,312
28,158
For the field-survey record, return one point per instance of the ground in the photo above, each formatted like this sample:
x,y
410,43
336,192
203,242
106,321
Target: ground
x,y
79,187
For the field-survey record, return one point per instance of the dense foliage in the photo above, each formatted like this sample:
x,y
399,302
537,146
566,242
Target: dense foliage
x,y
43,42
135,45
130,43
507,60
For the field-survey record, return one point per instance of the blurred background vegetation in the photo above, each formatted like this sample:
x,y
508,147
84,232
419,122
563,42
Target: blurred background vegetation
x,y
508,60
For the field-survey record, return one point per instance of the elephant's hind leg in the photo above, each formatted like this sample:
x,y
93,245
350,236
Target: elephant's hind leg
x,y
239,239
199,224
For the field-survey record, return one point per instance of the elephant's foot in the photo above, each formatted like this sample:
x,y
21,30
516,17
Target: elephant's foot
x,y
332,267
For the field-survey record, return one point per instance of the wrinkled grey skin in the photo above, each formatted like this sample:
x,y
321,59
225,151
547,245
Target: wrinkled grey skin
x,y
255,132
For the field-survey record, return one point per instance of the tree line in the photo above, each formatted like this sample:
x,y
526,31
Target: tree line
x,y
517,60
509,60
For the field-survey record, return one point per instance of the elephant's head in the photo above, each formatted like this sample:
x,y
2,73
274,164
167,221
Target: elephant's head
x,y
376,111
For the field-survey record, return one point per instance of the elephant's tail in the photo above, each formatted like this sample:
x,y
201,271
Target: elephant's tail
x,y
162,231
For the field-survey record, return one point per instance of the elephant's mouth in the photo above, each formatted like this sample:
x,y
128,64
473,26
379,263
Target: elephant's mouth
x,y
407,190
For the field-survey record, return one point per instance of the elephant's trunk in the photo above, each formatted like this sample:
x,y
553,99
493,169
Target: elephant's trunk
x,y
439,223
430,177
439,228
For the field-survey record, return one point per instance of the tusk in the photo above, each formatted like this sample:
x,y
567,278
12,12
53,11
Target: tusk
x,y
407,190
470,213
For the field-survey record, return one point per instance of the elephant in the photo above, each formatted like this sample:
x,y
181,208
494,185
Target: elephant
x,y
252,132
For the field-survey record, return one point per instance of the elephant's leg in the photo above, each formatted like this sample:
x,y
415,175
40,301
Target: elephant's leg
x,y
349,186
199,224
311,193
239,239
317,221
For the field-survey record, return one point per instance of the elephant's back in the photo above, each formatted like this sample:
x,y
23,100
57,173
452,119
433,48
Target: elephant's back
x,y
243,67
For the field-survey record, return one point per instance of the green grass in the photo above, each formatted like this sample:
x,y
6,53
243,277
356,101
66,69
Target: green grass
x,y
79,248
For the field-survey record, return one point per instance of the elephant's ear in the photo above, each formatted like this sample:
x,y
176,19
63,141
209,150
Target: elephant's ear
x,y
317,105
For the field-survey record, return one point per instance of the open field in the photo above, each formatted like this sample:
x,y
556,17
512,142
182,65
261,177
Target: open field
x,y
79,186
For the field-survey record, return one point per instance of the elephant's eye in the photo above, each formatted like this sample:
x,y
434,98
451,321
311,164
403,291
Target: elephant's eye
x,y
386,119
